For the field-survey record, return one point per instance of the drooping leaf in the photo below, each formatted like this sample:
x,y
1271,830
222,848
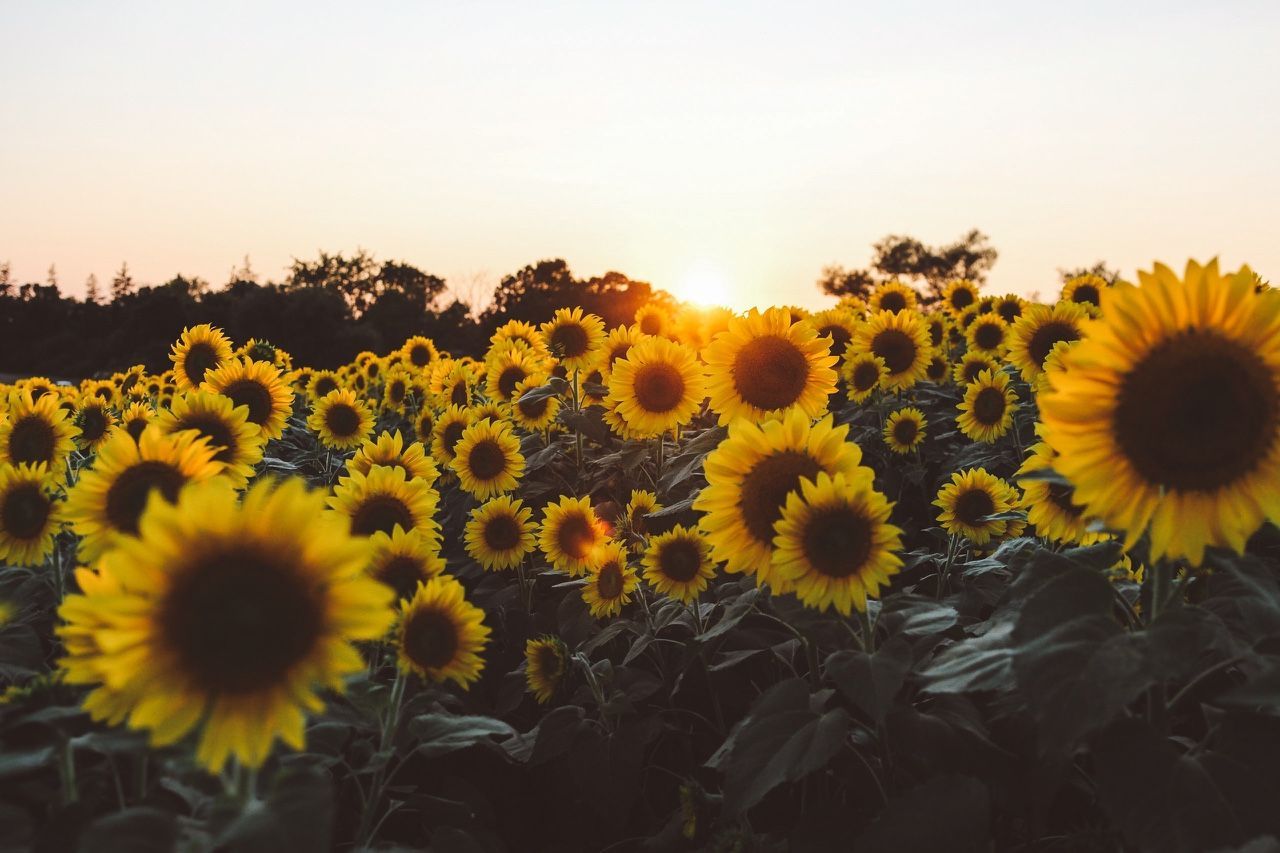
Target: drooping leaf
x,y
444,733
871,682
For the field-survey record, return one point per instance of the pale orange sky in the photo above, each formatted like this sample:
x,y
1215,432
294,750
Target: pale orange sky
x,y
751,143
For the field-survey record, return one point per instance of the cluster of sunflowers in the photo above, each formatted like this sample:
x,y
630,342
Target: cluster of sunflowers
x,y
225,533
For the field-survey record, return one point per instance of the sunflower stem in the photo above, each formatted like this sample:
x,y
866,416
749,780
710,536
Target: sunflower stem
x,y
868,629
526,596
392,719
945,571
67,771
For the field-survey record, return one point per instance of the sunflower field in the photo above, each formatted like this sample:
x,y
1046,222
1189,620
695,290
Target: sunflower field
x,y
966,574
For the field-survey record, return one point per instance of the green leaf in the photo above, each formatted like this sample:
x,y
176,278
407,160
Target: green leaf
x,y
17,762
947,814
734,613
138,830
554,387
445,733
780,748
872,681
296,815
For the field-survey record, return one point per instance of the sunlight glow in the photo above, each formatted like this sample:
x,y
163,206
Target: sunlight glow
x,y
704,284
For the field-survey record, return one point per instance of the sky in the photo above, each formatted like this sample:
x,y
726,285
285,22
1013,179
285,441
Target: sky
x,y
723,150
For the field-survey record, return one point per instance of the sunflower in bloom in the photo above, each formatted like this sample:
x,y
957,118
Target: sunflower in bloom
x,y
236,443
987,334
385,499
226,616
970,497
403,560
395,390
959,295
616,345
447,432
440,635
574,338
508,368
321,383
29,514
610,581
424,424
570,533
750,475
904,430
107,501
651,319
546,660
1038,329
520,333
938,370
199,350
1167,416
93,421
862,373
35,431
986,412
834,544
1085,291
258,385
453,385
657,387
640,504
420,352
838,324
1050,505
765,365
38,386
537,414
1009,307
499,534
679,564
970,365
893,296
135,418
902,341
341,420
487,459
389,449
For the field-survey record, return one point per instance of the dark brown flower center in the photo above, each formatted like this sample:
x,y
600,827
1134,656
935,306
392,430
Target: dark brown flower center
x,y
651,324
609,580
1009,310
961,298
381,514
534,409
988,335
770,372
460,395
420,355
342,420
904,431
25,511
1086,293
502,533
680,560
127,495
510,377
837,541
893,300
764,490
254,395
31,440
658,387
453,434
839,335
865,376
324,385
216,430
431,638
569,340
486,460
93,424
989,406
201,358
896,348
973,367
1043,339
402,573
576,536
974,505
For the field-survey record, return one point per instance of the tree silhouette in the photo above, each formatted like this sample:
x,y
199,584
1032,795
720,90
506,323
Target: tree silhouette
x,y
91,293
907,258
838,281
362,281
121,283
1099,269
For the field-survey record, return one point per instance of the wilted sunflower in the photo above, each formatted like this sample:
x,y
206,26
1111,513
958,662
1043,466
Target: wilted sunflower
x,y
904,430
199,350
968,498
651,319
570,533
1167,416
440,634
970,365
508,368
258,385
93,421
499,534
236,443
959,295
34,431
610,581
420,351
545,662
384,499
893,296
573,337
447,432
678,563
657,387
29,514
107,501
135,418
341,420
389,449
403,560
902,341
537,414
834,543
986,412
862,373
838,324
487,459
987,334
765,365
750,475
321,383
1038,329
1085,291
1051,505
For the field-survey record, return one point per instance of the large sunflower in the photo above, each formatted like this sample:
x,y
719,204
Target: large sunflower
x,y
499,534
573,337
987,334
487,459
341,420
258,385
834,543
403,560
657,387
389,449
237,444
904,430
678,563
971,496
570,533
959,295
107,501
862,373
1040,327
508,368
750,475
29,514
93,420
546,660
893,296
440,634
384,499
35,431
199,350
764,365
986,412
1167,415
227,616
610,581
1050,505
902,340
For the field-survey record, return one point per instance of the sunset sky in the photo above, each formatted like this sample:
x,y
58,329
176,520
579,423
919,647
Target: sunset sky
x,y
741,145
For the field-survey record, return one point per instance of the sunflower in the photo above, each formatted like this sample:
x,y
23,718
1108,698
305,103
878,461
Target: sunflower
x,y
893,296
507,369
678,563
534,415
987,334
1038,329
616,345
494,411
570,533
447,431
29,515
395,390
1051,505
520,333
390,450
902,340
102,389
1009,307
862,373
640,504
959,295
38,386
499,534
546,660
403,560
227,616
385,499
94,421
1053,365
107,501
258,385
837,324
939,327
651,319
834,543
487,459
970,365
453,386
1085,291
938,370
610,581
341,420
136,417
1167,416
764,365
657,387
440,635
986,412
236,443
424,424
420,351
34,431
199,350
904,430
968,498
573,338
750,474
321,383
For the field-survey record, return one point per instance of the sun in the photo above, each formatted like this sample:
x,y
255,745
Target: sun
x,y
705,284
